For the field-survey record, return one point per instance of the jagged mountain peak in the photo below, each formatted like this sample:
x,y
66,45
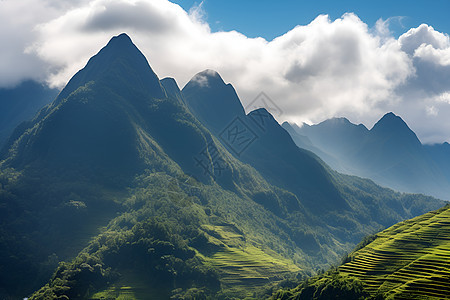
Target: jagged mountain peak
x,y
98,118
390,120
261,110
122,38
172,89
170,81
170,85
341,120
119,58
391,125
215,103
207,79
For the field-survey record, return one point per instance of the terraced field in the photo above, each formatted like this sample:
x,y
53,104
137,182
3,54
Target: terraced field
x,y
131,287
410,260
244,267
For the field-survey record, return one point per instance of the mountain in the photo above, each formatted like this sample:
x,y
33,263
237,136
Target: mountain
x,y
127,187
304,142
21,103
440,154
172,89
338,134
96,129
120,55
406,261
212,101
76,159
263,144
390,154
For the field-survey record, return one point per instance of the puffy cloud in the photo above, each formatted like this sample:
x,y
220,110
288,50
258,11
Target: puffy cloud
x,y
323,69
19,19
433,55
331,67
424,35
430,52
424,96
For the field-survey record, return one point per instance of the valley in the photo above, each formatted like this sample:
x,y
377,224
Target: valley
x,y
127,187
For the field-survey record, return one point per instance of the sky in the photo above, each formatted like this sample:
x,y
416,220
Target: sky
x,y
270,19
313,59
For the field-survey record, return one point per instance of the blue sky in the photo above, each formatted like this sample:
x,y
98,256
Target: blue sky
x,y
270,19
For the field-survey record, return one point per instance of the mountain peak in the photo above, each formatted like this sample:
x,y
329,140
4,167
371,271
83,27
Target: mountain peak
x,y
393,127
119,58
391,116
340,124
340,120
120,45
390,121
171,87
334,122
121,38
207,78
213,102
260,110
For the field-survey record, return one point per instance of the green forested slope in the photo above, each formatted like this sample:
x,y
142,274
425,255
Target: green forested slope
x,y
410,260
119,184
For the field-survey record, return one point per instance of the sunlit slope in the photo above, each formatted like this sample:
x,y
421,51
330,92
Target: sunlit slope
x,y
244,267
410,260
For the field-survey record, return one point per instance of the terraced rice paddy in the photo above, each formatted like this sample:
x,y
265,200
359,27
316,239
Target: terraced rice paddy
x,y
131,287
410,260
244,267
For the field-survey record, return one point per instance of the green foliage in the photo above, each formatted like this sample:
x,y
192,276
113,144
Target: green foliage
x,y
99,182
152,248
406,261
328,286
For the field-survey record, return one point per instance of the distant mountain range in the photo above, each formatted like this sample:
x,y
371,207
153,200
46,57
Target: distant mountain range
x,y
20,104
390,153
127,187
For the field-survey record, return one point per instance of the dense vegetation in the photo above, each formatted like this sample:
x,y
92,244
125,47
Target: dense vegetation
x,y
406,261
105,187
150,250
328,286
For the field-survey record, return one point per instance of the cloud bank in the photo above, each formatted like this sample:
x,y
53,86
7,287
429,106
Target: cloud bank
x,y
316,71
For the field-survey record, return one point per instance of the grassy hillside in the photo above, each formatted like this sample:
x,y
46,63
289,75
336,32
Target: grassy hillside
x,y
172,241
410,260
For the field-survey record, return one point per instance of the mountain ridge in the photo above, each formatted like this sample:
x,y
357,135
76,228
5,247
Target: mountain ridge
x,y
119,47
125,190
389,153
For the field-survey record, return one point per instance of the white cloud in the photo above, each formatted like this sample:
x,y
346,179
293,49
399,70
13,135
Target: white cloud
x,y
423,35
18,19
315,71
433,55
201,79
